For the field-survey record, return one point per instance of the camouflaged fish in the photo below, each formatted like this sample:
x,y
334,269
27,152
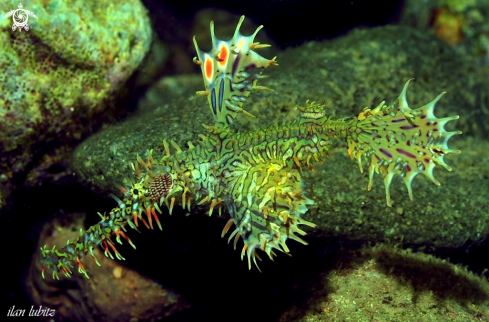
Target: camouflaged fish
x,y
257,176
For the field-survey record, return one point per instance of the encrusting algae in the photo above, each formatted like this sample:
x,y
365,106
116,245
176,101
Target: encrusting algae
x,y
257,176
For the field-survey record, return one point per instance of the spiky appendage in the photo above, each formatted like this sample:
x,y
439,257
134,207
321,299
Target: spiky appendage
x,y
398,140
66,258
266,207
142,197
229,72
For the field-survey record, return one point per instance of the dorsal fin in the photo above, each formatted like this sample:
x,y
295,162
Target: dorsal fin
x,y
229,72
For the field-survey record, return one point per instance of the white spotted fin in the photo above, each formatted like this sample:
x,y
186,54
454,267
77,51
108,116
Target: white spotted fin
x,y
230,71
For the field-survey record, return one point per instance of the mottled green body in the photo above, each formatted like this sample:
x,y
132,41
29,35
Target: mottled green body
x,y
257,176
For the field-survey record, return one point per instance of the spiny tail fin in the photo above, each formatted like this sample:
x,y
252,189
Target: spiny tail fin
x,y
398,140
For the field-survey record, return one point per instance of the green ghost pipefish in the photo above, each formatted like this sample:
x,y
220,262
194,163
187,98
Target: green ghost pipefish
x,y
257,176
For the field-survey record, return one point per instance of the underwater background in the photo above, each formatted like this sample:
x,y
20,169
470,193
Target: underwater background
x,y
91,84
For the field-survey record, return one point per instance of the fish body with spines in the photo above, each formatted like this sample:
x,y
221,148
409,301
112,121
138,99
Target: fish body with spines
x,y
257,176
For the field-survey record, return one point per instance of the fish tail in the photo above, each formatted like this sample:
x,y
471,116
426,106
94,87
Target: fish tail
x,y
399,140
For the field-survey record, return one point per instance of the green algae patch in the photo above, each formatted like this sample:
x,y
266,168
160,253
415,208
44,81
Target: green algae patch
x,y
368,66
63,75
387,284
